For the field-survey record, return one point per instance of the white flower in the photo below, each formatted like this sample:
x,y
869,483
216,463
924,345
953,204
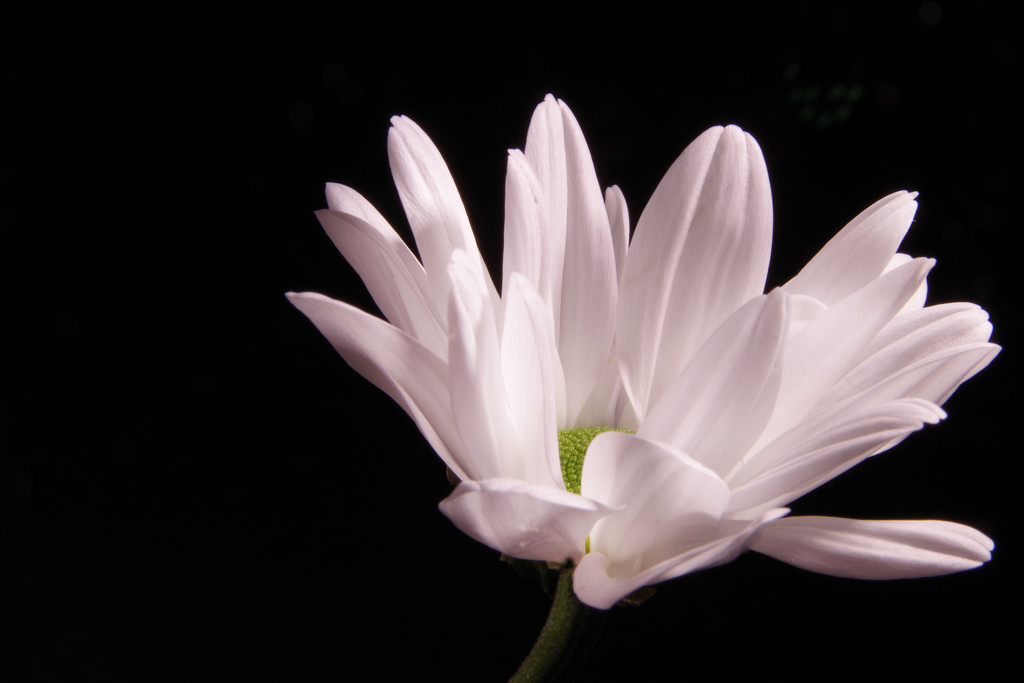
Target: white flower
x,y
741,401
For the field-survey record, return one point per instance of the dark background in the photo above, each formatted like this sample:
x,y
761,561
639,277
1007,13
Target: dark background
x,y
195,487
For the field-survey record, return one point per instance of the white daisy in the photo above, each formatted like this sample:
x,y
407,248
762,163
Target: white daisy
x,y
741,401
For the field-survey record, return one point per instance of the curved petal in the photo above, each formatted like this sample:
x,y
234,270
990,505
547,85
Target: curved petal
x,y
346,200
716,408
396,363
673,503
862,549
589,279
821,449
533,381
919,297
926,353
859,252
829,346
393,276
801,310
526,248
523,520
699,252
600,584
607,401
934,378
479,405
545,154
433,206
941,326
618,219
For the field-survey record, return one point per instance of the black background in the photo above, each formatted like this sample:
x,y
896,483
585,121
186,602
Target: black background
x,y
195,487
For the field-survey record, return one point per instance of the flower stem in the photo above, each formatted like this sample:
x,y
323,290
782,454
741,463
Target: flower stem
x,y
563,637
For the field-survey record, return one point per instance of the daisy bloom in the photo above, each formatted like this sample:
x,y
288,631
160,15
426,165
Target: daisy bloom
x,y
703,405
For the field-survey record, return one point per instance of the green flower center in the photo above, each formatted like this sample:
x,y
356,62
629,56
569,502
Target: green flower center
x,y
572,448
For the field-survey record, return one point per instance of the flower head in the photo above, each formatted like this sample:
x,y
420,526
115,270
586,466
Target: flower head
x,y
740,401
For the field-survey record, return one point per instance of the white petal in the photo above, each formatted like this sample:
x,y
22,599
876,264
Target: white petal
x,y
533,381
861,549
478,400
589,279
917,301
545,153
715,410
830,346
801,310
914,337
859,253
926,353
673,503
941,326
433,206
618,219
823,448
924,364
399,365
699,252
526,236
606,402
934,378
523,520
393,276
599,583
346,200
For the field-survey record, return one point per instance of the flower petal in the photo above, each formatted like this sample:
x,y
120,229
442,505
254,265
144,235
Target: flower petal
x,y
821,449
919,297
859,252
432,204
589,279
931,351
600,584
523,520
829,346
478,401
699,252
533,381
525,228
607,402
618,218
346,200
715,410
862,549
545,154
393,276
396,363
673,503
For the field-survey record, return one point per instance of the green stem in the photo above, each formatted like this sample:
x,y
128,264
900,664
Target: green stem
x,y
559,639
